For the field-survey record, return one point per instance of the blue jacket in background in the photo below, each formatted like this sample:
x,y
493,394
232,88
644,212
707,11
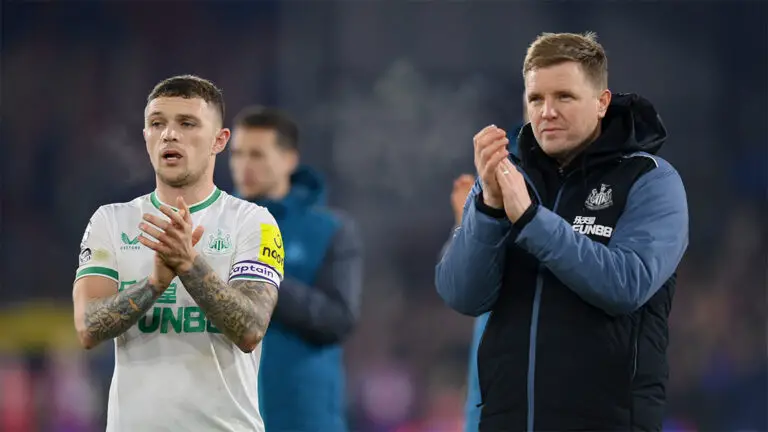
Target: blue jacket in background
x,y
472,405
301,378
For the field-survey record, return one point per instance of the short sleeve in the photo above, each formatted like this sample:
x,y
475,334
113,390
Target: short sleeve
x,y
259,253
97,252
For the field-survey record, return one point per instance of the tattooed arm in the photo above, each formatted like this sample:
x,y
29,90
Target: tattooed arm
x,y
102,313
240,309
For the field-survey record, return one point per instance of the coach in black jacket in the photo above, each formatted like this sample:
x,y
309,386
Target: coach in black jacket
x,y
573,248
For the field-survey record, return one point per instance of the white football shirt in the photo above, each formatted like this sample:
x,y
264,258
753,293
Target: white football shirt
x,y
174,370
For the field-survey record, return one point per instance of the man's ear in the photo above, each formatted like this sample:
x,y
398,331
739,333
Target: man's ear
x,y
602,103
293,160
222,138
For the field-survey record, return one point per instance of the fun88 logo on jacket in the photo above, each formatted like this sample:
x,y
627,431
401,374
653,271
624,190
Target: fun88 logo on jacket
x,y
586,225
254,270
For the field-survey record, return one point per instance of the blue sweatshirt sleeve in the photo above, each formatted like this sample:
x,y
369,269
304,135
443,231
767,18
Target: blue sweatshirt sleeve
x,y
469,274
327,312
644,251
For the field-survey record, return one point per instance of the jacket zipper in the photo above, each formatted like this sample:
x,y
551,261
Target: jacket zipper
x,y
635,355
535,310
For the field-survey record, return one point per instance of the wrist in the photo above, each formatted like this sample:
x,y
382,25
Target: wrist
x,y
186,265
492,201
157,286
483,207
526,216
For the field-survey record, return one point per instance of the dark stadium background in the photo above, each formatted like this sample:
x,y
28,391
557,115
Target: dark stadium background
x,y
389,95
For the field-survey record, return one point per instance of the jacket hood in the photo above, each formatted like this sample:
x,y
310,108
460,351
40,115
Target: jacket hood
x,y
307,190
631,124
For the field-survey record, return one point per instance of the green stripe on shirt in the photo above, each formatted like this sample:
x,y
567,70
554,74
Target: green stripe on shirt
x,y
98,271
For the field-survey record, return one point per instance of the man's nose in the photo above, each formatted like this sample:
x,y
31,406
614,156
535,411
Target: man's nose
x,y
548,110
170,134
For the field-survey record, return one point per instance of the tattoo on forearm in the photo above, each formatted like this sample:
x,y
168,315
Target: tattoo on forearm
x,y
110,317
241,310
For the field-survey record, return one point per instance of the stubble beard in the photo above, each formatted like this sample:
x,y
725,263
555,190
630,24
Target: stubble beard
x,y
186,178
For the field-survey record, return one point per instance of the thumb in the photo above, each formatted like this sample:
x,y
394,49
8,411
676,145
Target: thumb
x,y
197,234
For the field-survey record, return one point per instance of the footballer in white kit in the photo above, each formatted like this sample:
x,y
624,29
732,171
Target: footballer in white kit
x,y
186,292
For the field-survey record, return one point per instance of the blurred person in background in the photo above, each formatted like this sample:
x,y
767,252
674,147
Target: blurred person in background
x,y
302,382
210,300
573,247
461,188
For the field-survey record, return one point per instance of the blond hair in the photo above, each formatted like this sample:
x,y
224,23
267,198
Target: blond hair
x,y
550,49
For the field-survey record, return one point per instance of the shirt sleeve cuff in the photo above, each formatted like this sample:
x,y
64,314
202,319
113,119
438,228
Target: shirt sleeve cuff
x,y
486,229
526,217
483,208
